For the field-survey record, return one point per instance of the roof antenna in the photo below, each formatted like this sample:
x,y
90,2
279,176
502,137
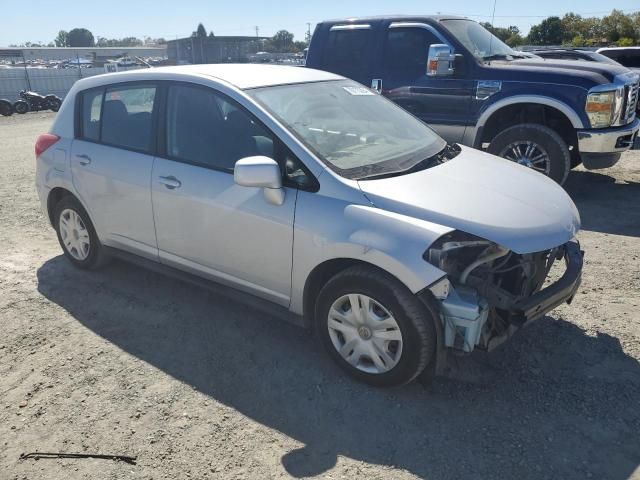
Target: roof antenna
x,y
493,16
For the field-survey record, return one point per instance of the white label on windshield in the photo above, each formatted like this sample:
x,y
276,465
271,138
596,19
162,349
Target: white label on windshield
x,y
358,91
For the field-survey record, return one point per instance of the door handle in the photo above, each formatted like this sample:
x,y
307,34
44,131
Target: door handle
x,y
84,159
170,182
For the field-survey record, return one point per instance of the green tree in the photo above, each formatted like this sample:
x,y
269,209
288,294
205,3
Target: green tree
x,y
626,42
617,25
80,37
578,41
62,40
282,41
548,32
201,32
300,45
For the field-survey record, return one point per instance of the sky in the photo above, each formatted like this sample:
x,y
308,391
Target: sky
x,y
178,18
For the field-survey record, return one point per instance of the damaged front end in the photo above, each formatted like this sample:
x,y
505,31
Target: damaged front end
x,y
490,291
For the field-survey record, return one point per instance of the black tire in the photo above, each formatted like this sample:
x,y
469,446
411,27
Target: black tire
x,y
96,257
54,103
415,322
550,141
6,109
21,107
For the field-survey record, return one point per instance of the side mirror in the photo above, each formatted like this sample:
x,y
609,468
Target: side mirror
x,y
262,172
440,61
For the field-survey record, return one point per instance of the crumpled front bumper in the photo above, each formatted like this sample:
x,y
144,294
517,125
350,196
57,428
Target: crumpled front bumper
x,y
561,291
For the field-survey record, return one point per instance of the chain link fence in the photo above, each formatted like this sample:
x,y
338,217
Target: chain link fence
x,y
45,81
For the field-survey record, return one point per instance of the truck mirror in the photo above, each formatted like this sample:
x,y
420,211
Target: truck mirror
x,y
440,61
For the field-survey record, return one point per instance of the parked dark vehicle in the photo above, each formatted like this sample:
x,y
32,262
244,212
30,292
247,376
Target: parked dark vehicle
x,y
34,102
473,89
6,109
573,54
627,56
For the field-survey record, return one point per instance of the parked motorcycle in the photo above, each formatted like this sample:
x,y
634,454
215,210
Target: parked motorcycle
x,y
34,102
6,109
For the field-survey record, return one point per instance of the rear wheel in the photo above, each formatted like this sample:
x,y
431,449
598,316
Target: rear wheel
x,y
77,236
21,107
535,146
374,327
6,109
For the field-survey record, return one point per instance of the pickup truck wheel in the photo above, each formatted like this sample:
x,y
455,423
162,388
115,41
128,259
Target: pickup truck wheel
x,y
535,146
374,327
77,236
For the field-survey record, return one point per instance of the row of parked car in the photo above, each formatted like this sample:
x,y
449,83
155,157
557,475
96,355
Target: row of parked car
x,y
332,206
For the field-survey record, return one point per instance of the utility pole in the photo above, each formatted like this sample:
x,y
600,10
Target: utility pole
x,y
257,31
308,35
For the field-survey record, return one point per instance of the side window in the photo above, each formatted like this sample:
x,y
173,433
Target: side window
x,y
630,58
206,129
91,109
407,50
127,117
345,53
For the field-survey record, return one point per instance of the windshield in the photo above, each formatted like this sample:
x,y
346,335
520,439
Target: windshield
x,y
479,41
354,131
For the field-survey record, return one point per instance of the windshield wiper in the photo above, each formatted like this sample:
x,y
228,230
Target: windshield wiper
x,y
447,153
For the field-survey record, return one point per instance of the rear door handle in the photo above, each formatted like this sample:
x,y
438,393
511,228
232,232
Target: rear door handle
x,y
84,159
170,182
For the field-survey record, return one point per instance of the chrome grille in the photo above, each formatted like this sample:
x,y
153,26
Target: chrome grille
x,y
632,101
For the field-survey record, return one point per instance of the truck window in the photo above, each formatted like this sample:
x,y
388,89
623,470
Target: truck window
x,y
407,50
345,53
630,58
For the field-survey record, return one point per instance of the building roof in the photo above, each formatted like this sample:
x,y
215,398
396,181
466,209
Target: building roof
x,y
242,76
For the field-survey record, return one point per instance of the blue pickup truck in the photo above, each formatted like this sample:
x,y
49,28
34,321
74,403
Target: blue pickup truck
x,y
473,89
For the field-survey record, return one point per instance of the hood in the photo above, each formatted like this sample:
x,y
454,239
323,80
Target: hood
x,y
583,73
486,196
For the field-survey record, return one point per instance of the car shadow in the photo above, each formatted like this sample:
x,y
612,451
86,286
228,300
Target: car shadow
x,y
551,406
605,206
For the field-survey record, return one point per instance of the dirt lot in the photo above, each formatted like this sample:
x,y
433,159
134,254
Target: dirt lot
x,y
127,361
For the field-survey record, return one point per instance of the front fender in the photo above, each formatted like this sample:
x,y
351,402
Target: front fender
x,y
390,241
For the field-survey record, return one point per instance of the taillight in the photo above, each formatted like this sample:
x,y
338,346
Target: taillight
x,y
45,141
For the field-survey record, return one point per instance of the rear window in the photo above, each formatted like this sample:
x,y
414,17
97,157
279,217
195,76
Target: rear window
x,y
345,53
120,116
127,117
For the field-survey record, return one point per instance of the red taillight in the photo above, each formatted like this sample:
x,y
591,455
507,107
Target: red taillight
x,y
45,141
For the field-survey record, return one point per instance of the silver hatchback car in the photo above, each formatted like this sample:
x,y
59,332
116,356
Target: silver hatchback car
x,y
316,198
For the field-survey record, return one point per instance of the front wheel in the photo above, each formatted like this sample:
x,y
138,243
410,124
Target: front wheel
x,y
54,103
21,107
374,327
535,146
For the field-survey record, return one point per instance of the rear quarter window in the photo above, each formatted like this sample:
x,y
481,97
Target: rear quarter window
x,y
90,114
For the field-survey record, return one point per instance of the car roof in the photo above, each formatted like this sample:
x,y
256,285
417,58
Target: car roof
x,y
378,18
603,49
242,76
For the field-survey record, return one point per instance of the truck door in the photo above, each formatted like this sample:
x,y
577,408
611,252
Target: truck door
x,y
348,52
441,102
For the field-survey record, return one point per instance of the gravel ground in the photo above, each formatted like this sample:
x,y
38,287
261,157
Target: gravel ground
x,y
130,362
